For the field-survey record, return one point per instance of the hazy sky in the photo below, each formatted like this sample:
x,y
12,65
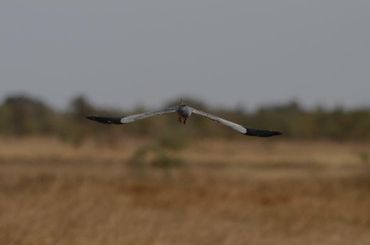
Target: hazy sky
x,y
121,53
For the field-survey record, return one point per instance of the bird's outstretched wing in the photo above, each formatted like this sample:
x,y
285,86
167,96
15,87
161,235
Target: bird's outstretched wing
x,y
237,127
132,118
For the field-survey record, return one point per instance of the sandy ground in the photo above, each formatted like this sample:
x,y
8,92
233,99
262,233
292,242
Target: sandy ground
x,y
225,192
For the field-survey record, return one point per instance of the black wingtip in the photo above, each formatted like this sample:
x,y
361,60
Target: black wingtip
x,y
262,133
92,118
105,120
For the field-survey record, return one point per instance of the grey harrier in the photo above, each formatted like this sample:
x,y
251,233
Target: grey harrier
x,y
184,112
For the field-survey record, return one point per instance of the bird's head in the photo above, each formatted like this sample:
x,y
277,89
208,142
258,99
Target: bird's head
x,y
182,103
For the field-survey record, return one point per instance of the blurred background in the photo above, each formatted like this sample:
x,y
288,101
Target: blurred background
x,y
294,66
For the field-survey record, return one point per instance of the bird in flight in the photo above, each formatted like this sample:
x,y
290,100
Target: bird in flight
x,y
184,112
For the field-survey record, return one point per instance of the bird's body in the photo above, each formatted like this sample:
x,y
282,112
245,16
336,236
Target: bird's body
x,y
184,112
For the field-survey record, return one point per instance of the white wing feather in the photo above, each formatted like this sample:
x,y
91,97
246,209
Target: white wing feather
x,y
132,118
140,116
225,122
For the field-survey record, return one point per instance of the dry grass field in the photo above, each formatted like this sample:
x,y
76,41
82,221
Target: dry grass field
x,y
225,192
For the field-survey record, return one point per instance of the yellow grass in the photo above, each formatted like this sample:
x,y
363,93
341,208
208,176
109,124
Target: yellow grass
x,y
227,192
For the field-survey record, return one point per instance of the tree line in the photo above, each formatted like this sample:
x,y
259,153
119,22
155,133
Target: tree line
x,y
23,116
